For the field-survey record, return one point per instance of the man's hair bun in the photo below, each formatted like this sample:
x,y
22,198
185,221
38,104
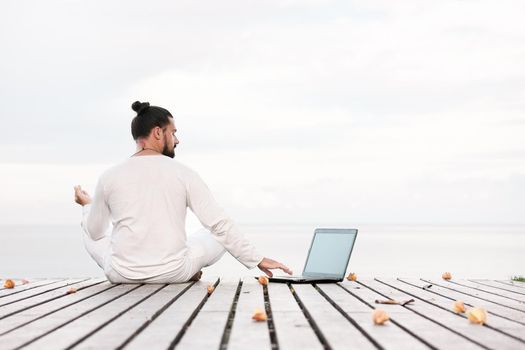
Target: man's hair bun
x,y
139,107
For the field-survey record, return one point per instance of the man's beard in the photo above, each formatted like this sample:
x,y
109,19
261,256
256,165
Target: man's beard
x,y
168,152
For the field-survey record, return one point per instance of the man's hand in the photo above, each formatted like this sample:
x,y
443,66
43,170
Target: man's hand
x,y
266,264
81,196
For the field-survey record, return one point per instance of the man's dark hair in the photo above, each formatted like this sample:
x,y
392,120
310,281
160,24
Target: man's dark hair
x,y
148,117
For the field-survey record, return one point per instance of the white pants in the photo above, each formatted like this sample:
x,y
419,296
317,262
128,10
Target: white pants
x,y
203,250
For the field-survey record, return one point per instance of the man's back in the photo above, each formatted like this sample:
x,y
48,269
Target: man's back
x,y
147,197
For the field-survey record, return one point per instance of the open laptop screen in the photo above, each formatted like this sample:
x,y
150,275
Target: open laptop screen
x,y
330,252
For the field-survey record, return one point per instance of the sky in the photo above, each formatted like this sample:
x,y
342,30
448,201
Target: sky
x,y
312,112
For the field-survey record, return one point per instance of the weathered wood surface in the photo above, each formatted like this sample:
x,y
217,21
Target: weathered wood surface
x,y
244,333
491,290
292,328
332,323
512,283
47,314
500,286
492,297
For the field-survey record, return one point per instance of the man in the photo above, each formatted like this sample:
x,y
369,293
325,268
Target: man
x,y
146,198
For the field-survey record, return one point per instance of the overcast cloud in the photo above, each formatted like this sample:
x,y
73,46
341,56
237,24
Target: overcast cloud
x,y
292,111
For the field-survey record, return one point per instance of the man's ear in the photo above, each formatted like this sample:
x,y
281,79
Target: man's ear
x,y
157,132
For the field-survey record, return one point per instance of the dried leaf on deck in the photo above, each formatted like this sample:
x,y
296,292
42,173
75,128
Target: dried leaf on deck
x,y
263,280
459,307
477,315
71,291
210,289
9,284
380,316
24,281
352,277
259,315
446,276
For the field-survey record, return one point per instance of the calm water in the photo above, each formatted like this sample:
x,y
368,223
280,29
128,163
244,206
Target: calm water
x,y
409,251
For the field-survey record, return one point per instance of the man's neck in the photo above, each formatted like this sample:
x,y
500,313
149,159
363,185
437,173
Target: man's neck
x,y
146,150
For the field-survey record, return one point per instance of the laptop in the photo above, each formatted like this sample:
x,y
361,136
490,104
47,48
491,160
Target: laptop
x,y
327,258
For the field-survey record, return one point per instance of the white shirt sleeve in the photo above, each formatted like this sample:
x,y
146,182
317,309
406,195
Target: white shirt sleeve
x,y
213,217
96,216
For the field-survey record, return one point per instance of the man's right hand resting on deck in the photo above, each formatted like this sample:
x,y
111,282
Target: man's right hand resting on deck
x,y
266,264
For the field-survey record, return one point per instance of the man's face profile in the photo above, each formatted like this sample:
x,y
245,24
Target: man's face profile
x,y
170,140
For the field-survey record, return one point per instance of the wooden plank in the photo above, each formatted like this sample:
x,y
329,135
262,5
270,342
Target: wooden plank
x,y
486,335
513,283
481,294
455,332
504,324
330,321
23,287
66,336
495,284
494,309
8,310
389,335
163,330
292,328
212,318
120,330
43,326
26,294
411,316
400,332
56,305
516,284
246,333
492,290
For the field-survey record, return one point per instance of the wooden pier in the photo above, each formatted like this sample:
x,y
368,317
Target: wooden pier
x,y
91,313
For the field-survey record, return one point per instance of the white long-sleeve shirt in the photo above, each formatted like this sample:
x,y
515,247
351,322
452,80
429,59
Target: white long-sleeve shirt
x,y
146,199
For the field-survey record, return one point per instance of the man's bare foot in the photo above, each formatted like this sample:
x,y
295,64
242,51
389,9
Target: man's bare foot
x,y
197,276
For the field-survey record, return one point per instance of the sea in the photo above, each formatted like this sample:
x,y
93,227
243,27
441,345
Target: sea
x,y
466,251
